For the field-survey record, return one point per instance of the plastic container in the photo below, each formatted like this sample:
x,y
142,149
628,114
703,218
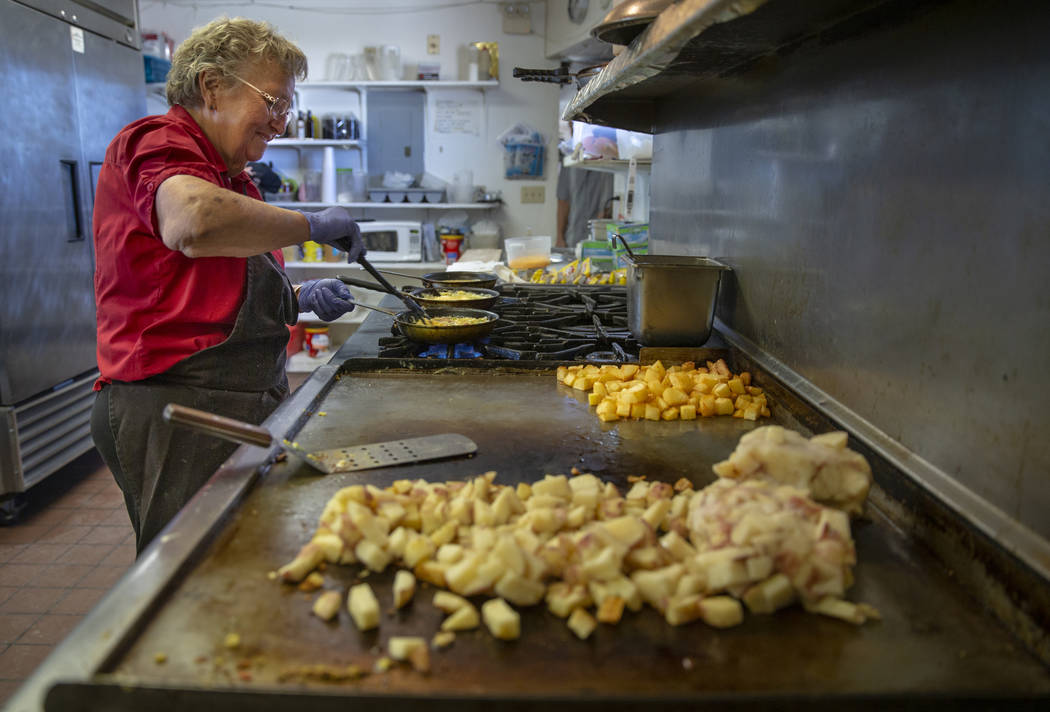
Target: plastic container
x,y
528,252
452,246
316,340
484,234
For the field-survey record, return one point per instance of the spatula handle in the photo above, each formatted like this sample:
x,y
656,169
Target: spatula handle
x,y
226,428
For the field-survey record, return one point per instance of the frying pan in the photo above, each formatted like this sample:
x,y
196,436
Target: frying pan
x,y
474,280
427,296
410,326
480,299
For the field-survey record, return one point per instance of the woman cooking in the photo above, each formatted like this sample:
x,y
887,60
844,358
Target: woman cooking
x,y
193,304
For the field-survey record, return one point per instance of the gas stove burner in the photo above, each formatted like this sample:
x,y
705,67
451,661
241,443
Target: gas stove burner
x,y
542,323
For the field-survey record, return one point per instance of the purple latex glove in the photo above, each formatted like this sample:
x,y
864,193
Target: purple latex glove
x,y
334,226
327,298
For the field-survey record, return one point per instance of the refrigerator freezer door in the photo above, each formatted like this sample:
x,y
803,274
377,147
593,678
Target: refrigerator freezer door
x,y
46,304
111,93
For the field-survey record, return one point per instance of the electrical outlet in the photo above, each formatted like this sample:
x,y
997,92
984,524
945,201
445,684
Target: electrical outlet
x,y
433,44
517,20
533,194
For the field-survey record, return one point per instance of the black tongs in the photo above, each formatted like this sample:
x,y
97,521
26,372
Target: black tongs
x,y
412,304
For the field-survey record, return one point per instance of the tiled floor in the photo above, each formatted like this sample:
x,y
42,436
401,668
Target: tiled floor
x,y
72,542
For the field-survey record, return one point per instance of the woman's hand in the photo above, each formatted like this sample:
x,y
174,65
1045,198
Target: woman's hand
x,y
334,226
327,298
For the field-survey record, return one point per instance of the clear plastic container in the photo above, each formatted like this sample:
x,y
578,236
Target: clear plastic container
x,y
528,252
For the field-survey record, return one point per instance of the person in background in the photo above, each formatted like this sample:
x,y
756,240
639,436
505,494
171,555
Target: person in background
x,y
583,195
193,305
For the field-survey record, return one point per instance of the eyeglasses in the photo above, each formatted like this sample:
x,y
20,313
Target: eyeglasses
x,y
279,108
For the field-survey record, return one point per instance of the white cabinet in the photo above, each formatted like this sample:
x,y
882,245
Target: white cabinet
x,y
294,156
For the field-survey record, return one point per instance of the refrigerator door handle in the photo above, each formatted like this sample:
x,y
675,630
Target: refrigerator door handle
x,y
74,218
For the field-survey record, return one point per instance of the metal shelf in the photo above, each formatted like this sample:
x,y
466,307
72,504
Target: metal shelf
x,y
388,206
695,45
607,165
314,143
416,84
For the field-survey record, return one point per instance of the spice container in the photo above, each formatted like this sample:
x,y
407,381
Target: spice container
x,y
315,339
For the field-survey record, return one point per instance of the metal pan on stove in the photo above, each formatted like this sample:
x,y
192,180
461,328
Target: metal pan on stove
x,y
413,328
430,297
473,280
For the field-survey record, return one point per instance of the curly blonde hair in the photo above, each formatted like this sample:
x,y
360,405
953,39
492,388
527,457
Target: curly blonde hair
x,y
227,46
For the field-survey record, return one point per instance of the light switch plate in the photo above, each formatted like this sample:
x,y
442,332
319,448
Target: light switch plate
x,y
433,44
533,193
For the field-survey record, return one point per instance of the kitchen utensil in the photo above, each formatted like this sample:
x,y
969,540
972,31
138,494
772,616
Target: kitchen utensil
x,y
474,280
628,20
427,296
342,459
671,299
561,75
409,302
528,252
424,334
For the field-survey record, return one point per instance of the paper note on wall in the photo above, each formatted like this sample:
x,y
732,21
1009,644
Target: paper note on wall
x,y
453,116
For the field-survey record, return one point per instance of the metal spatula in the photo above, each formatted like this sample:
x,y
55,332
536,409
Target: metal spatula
x,y
343,459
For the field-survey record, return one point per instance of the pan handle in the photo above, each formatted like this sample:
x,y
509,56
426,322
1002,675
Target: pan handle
x,y
401,274
625,245
364,284
381,311
411,303
226,428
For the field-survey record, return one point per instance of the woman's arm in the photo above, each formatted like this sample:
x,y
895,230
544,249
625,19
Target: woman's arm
x,y
200,219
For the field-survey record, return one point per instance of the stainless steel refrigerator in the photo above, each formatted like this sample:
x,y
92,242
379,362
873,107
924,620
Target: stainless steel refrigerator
x,y
71,76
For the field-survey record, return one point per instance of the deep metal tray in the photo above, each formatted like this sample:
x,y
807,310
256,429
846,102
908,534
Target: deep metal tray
x,y
935,645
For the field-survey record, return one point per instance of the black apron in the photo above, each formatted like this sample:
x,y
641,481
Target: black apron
x,y
159,466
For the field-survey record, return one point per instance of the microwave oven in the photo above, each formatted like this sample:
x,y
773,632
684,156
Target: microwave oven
x,y
389,241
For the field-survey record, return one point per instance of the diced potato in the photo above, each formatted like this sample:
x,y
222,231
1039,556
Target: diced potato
x,y
670,413
443,639
463,619
363,606
723,406
674,396
371,555
770,595
611,610
327,605
562,598
501,620
687,412
401,647
582,623
721,611
594,398
519,590
449,602
629,370
404,588
652,412
682,609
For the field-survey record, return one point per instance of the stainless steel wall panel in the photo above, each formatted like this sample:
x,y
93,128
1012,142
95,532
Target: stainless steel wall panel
x,y
884,201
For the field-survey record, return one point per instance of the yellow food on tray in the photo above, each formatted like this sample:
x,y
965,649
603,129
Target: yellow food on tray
x,y
578,272
654,392
453,295
451,320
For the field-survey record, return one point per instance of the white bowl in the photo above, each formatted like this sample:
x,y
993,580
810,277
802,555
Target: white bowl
x,y
377,196
396,196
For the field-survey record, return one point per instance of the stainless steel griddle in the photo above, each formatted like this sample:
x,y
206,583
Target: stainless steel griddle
x,y
936,645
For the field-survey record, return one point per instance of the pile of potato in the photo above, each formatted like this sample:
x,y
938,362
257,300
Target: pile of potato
x,y
658,393
583,548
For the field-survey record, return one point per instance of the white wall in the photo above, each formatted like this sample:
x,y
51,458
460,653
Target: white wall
x,y
320,27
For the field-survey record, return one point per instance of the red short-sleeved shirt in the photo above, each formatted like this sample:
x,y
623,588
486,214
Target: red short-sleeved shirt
x,y
155,306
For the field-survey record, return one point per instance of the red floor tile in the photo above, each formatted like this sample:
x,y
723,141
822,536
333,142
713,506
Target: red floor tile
x,y
85,554
19,574
105,534
22,534
61,575
102,577
13,625
32,599
123,555
66,534
90,517
19,660
50,629
9,551
79,600
39,553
